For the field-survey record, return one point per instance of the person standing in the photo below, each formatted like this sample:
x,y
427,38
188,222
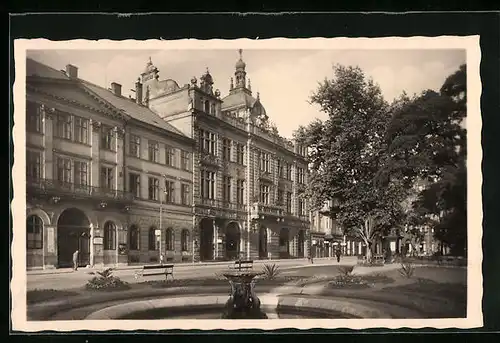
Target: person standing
x,y
337,253
75,260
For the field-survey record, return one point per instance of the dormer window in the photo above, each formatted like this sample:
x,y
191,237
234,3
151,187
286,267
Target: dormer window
x,y
207,106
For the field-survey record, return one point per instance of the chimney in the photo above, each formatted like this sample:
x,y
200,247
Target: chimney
x,y
138,91
116,88
72,71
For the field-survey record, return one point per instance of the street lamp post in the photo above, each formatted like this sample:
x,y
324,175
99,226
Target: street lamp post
x,y
162,190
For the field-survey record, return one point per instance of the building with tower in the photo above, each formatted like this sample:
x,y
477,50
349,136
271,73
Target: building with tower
x,y
179,172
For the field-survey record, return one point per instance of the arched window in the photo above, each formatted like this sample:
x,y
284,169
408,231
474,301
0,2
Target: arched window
x,y
134,238
207,106
34,232
109,236
169,239
152,239
185,240
212,109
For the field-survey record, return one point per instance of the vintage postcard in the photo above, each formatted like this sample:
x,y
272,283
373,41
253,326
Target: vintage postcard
x,y
280,183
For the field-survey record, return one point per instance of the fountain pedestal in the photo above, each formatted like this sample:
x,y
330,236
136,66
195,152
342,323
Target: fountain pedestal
x,y
243,303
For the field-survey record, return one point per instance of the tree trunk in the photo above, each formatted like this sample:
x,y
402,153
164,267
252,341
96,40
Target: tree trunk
x,y
368,252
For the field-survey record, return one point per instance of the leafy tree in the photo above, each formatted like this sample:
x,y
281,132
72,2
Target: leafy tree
x,y
427,141
345,153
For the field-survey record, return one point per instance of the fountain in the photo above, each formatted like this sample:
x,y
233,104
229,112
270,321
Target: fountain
x,y
243,303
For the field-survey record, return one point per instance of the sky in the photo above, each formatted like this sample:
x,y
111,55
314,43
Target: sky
x,y
285,79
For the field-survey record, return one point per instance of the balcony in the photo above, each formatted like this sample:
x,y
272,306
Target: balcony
x,y
221,205
59,189
259,209
209,159
265,176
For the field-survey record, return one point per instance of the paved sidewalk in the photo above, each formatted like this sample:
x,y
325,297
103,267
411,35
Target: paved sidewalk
x,y
300,262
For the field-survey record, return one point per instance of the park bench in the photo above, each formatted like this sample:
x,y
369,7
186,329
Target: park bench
x,y
157,269
378,259
242,265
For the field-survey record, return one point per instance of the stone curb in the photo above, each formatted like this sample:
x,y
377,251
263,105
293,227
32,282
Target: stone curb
x,y
274,302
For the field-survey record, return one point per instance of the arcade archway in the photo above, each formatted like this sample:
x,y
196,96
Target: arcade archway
x,y
263,242
206,239
284,243
233,236
73,233
300,244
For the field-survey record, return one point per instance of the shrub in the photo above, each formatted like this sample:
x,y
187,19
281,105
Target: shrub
x,y
407,269
348,281
105,281
271,271
345,270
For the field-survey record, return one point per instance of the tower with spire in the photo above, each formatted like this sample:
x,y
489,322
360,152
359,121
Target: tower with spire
x,y
240,74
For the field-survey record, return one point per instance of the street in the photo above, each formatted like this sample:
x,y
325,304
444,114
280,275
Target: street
x,y
66,279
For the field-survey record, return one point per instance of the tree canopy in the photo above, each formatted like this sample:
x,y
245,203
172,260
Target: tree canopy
x,y
368,155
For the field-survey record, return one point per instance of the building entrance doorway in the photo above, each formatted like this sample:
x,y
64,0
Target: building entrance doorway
x,y
232,241
206,239
73,233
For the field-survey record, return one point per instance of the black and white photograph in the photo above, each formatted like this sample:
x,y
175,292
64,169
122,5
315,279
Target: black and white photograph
x,y
247,184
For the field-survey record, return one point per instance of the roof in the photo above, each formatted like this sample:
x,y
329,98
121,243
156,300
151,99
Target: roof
x,y
238,99
74,94
35,68
131,108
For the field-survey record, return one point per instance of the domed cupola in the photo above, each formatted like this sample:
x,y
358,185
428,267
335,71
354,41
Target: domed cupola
x,y
207,82
240,65
150,71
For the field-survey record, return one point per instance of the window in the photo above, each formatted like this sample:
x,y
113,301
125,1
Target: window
x,y
185,160
81,130
81,173
212,108
302,207
186,196
226,149
153,188
135,146
264,162
169,191
33,165
169,239
281,194
289,202
264,194
170,156
152,239
207,106
280,169
153,151
207,184
107,178
63,126
240,153
134,238
63,170
134,184
240,195
33,117
34,232
300,175
107,138
288,171
184,240
208,142
109,236
226,189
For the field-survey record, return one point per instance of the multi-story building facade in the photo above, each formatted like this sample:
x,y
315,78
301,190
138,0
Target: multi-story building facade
x,y
326,235
178,172
99,168
246,178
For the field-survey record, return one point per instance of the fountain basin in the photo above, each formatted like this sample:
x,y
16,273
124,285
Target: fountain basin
x,y
211,307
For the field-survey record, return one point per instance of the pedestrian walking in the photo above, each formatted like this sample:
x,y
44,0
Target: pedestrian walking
x,y
337,253
75,260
